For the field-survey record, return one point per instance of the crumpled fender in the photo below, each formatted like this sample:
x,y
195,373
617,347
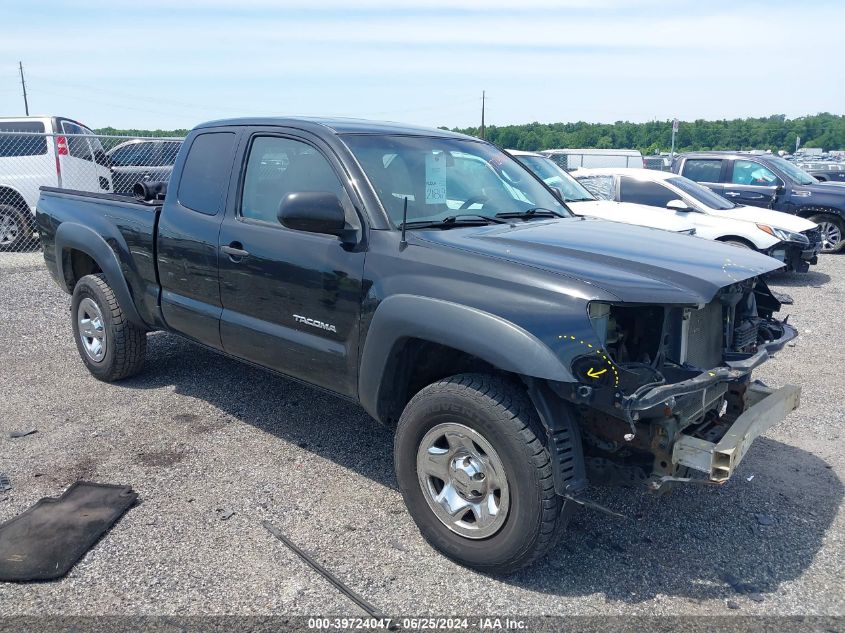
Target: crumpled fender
x,y
494,340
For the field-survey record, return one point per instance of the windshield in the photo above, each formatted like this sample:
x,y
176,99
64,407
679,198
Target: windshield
x,y
796,173
547,170
702,194
443,177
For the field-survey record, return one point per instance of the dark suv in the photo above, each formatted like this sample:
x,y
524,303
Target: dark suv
x,y
769,181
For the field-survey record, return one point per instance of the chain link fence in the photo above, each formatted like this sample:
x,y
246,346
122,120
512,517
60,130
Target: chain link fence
x,y
84,162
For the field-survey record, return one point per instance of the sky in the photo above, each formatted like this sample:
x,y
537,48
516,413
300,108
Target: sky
x,y
174,63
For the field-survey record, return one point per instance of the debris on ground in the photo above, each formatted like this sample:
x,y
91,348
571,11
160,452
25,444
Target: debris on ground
x,y
5,482
15,434
47,540
225,513
325,573
765,519
732,604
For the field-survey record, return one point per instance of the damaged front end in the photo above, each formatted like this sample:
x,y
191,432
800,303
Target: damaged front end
x,y
669,394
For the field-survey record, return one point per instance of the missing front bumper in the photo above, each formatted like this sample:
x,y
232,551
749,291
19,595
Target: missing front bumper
x,y
719,460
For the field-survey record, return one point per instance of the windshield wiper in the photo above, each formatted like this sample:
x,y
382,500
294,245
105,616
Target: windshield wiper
x,y
536,212
462,219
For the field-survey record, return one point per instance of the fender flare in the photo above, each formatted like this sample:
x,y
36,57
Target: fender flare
x,y
486,336
15,193
809,210
81,238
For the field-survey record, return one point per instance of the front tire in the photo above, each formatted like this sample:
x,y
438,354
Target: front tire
x,y
833,231
475,476
111,347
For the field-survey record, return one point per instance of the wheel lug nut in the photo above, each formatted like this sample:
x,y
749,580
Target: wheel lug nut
x,y
478,476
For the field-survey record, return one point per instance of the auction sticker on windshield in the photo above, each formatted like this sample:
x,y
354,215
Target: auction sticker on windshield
x,y
435,182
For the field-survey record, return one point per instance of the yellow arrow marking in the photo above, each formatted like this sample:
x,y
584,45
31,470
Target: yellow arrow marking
x,y
592,373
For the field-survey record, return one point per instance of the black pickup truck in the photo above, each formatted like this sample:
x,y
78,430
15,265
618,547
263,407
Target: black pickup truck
x,y
763,180
520,353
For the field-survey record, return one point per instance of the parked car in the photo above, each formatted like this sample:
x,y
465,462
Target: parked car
x,y
141,160
770,182
519,352
825,171
38,151
582,202
571,159
793,240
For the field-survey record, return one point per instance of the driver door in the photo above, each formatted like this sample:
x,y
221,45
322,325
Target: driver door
x,y
291,299
752,183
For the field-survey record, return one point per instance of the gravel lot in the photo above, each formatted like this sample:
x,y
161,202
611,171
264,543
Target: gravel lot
x,y
198,435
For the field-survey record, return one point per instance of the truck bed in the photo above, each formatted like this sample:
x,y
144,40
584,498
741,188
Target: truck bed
x,y
67,218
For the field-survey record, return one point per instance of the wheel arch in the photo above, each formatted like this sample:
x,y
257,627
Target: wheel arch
x,y
810,210
14,198
412,338
737,238
80,251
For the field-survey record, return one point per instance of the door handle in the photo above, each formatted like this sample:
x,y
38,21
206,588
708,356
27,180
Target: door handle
x,y
732,194
235,251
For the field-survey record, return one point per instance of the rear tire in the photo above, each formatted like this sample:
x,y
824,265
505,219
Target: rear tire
x,y
111,347
14,228
492,505
833,231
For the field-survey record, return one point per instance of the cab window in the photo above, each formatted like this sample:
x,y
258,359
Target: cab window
x,y
702,169
749,172
278,166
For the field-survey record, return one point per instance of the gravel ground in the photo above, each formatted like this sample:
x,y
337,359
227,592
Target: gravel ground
x,y
198,435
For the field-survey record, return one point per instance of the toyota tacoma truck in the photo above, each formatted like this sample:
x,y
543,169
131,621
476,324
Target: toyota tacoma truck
x,y
519,352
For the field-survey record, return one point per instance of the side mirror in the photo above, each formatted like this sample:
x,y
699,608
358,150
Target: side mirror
x,y
559,193
313,212
678,205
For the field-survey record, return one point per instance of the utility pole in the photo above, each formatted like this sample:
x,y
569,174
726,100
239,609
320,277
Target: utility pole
x,y
23,85
675,124
483,94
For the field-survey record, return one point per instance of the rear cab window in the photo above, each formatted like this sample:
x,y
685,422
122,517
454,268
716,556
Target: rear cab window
x,y
17,138
206,172
703,169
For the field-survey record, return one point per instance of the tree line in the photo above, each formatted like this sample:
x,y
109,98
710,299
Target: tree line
x,y
774,133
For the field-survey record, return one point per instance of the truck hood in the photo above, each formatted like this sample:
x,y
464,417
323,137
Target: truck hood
x,y
633,263
759,215
630,213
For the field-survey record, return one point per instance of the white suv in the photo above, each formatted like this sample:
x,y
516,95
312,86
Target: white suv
x,y
43,151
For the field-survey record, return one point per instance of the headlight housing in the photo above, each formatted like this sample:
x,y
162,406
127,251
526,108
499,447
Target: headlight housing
x,y
784,235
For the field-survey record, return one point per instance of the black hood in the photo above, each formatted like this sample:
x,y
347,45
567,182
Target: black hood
x,y
636,264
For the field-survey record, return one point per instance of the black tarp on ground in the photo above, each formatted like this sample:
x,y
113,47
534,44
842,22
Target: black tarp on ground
x,y
47,540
